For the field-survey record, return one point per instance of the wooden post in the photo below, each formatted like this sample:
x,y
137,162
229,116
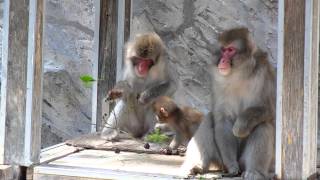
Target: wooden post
x,y
297,89
21,78
109,39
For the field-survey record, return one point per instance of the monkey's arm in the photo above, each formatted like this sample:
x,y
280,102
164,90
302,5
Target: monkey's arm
x,y
248,120
156,90
120,90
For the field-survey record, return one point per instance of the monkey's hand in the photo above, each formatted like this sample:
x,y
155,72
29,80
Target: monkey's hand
x,y
240,128
114,94
109,134
248,120
119,91
156,90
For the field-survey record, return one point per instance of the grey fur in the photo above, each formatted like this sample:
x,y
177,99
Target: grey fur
x,y
243,108
133,112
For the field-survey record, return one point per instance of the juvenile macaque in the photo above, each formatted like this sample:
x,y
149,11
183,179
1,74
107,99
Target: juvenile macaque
x,y
146,77
243,111
184,121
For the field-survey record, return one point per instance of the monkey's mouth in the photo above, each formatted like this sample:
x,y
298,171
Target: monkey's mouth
x,y
142,65
224,66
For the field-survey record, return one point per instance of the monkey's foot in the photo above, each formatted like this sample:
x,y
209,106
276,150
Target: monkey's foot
x,y
187,170
240,129
109,134
233,171
169,151
197,170
253,175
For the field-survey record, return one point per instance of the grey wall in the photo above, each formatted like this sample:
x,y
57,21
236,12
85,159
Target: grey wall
x,y
189,29
68,43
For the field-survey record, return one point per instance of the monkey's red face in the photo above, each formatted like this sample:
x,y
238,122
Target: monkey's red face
x,y
142,65
227,54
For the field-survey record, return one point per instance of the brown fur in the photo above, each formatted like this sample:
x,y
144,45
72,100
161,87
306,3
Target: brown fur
x,y
184,120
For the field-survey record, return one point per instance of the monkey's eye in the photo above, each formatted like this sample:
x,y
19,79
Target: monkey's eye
x,y
228,49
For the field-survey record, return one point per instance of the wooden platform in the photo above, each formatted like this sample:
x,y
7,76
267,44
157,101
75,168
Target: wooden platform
x,y
90,157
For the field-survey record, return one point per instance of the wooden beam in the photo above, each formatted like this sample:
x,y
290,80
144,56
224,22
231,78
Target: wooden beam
x,y
127,20
297,89
108,44
21,78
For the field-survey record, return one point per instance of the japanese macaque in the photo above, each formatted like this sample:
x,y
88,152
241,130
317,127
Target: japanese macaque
x,y
184,121
241,128
146,77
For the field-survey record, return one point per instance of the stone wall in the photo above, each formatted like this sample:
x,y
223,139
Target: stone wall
x,y
188,28
68,43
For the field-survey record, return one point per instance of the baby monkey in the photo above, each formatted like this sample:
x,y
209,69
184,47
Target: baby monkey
x,y
184,121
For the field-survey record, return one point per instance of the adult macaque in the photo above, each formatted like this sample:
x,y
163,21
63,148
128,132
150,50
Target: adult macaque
x,y
243,111
146,77
184,121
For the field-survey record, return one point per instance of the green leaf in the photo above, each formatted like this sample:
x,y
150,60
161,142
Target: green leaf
x,y
157,137
87,78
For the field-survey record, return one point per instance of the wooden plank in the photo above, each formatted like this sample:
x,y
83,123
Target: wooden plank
x,y
297,96
126,143
57,151
67,172
21,80
108,165
127,20
124,20
120,38
111,41
105,64
6,172
10,172
34,83
315,73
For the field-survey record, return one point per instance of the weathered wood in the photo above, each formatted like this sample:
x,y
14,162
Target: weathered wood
x,y
125,143
6,172
58,151
21,78
11,172
314,79
112,30
106,58
127,20
297,89
34,80
109,165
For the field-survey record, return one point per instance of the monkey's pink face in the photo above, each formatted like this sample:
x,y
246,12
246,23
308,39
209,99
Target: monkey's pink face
x,y
142,65
227,53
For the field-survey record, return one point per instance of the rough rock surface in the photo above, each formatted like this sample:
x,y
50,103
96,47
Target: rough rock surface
x,y
189,29
68,43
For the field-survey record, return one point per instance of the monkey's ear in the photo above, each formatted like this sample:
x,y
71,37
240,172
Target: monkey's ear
x,y
164,112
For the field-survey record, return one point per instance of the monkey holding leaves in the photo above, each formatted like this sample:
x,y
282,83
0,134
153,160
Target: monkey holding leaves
x,y
184,121
241,130
146,77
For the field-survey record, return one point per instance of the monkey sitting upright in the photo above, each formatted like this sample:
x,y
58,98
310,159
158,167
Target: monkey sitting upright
x,y
242,125
184,121
146,77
